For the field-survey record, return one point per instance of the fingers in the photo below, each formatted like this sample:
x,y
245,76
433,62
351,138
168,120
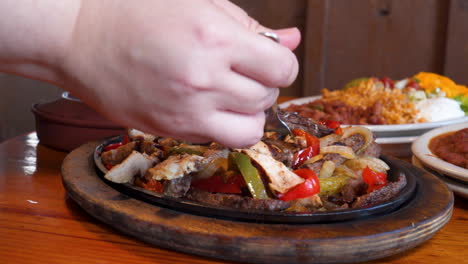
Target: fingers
x,y
257,57
289,37
240,94
264,60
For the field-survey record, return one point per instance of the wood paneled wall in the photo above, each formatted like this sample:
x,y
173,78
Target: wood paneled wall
x,y
456,57
346,39
281,14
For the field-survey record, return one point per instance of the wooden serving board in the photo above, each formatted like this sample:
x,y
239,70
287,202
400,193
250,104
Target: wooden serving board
x,y
340,242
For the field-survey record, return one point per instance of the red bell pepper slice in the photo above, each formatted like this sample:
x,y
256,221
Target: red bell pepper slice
x,y
153,185
304,154
374,180
313,148
333,125
217,184
412,83
112,146
124,141
387,82
309,187
311,140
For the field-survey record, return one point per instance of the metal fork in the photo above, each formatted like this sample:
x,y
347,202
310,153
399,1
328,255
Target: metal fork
x,y
273,122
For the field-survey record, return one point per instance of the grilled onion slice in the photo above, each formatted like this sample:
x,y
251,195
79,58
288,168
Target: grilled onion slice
x,y
365,132
344,151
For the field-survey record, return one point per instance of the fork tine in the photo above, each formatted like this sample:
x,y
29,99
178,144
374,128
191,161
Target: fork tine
x,y
273,123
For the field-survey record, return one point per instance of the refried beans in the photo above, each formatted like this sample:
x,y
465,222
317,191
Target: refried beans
x,y
452,147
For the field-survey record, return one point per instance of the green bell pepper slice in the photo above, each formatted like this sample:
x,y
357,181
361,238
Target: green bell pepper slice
x,y
250,174
332,185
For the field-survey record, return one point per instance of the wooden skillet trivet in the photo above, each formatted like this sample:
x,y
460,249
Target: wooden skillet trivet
x,y
342,242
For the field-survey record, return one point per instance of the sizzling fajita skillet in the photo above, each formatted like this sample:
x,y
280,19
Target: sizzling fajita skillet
x,y
243,214
315,236
318,173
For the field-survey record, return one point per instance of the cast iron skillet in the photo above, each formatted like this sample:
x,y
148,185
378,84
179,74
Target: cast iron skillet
x,y
197,208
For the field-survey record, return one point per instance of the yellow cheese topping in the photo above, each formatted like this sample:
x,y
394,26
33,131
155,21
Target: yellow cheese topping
x,y
431,81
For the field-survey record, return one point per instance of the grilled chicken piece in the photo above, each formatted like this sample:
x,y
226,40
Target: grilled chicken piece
x,y
261,148
281,178
175,166
135,134
116,156
135,164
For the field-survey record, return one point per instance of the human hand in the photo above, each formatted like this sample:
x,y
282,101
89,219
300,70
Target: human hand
x,y
193,70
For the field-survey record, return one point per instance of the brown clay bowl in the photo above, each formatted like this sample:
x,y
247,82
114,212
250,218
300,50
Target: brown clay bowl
x,y
67,123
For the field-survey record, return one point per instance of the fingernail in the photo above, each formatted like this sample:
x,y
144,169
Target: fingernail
x,y
287,31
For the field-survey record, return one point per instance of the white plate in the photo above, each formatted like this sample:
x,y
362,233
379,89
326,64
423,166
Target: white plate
x,y
395,140
421,150
392,131
457,187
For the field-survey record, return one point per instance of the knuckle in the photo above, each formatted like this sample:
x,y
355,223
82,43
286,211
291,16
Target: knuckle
x,y
252,24
287,72
192,80
263,105
258,103
209,35
253,104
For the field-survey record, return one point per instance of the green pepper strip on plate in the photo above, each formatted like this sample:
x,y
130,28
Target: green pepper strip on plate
x,y
251,176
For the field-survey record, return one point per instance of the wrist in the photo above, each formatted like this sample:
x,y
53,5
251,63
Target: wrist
x,y
34,36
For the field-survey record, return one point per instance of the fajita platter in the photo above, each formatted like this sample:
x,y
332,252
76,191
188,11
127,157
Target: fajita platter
x,y
245,215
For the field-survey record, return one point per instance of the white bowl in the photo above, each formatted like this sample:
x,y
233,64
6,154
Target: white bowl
x,y
457,187
420,148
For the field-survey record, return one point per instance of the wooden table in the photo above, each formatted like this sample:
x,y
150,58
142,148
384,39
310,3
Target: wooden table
x,y
40,224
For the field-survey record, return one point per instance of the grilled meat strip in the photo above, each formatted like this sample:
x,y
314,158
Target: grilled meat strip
x,y
373,150
381,195
236,201
177,187
116,156
281,151
355,141
294,120
149,147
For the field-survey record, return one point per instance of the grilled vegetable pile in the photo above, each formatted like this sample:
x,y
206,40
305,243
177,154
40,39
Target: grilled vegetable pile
x,y
321,167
